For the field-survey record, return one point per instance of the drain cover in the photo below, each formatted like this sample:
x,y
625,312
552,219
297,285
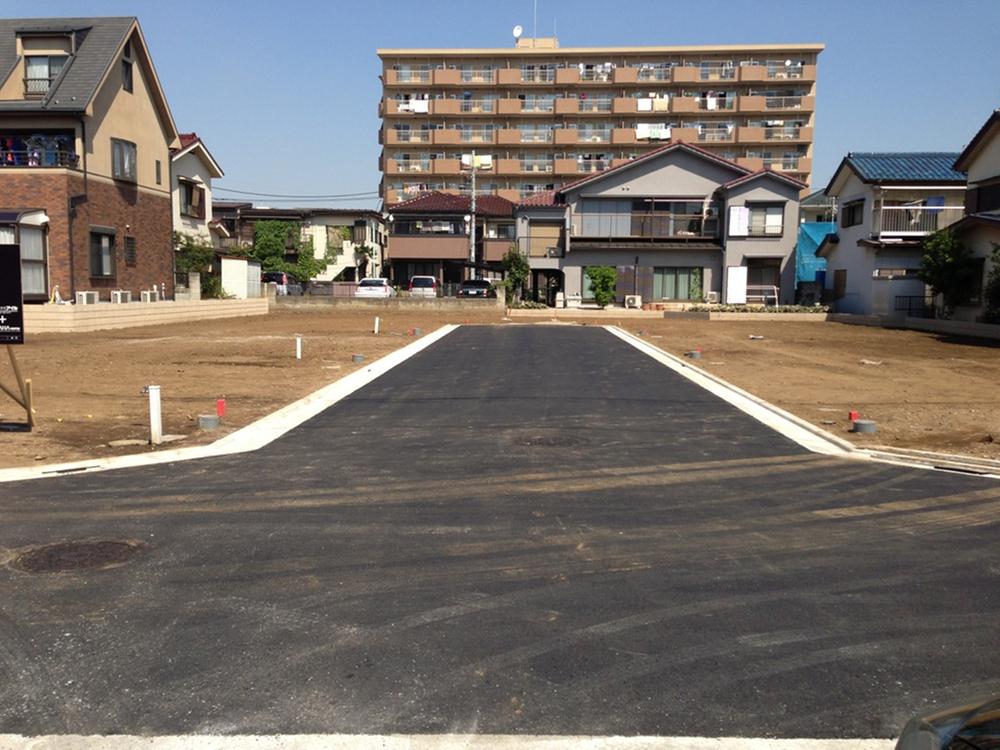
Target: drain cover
x,y
55,558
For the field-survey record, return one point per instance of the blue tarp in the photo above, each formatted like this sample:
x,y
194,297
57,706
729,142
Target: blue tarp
x,y
811,234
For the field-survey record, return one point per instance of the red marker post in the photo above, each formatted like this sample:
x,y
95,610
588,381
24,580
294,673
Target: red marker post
x,y
220,407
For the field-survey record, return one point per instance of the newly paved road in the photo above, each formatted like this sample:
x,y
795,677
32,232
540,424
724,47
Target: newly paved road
x,y
520,530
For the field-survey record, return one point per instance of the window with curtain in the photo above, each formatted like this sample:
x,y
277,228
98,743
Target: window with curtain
x,y
33,270
40,71
767,220
680,283
122,160
102,254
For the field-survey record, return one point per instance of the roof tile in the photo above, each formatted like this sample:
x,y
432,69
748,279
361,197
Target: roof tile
x,y
916,166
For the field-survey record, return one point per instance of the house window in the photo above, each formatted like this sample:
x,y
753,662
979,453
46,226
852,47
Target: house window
x,y
767,220
102,254
130,252
192,200
122,160
677,283
34,283
852,214
159,172
127,67
40,71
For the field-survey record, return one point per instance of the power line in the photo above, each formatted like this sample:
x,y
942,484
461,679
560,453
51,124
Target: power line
x,y
293,195
360,198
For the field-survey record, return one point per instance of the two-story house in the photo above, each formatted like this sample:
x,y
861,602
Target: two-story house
x,y
887,203
980,229
432,235
85,138
192,170
679,224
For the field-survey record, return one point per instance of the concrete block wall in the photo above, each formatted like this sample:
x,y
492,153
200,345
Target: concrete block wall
x,y
81,318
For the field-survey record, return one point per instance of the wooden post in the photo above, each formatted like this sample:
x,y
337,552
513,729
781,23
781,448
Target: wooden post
x,y
25,399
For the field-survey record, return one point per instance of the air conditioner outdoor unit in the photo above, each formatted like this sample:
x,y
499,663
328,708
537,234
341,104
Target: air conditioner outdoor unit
x,y
149,295
712,298
87,298
553,252
121,296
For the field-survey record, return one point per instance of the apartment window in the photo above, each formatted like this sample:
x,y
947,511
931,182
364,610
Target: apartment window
x,y
852,214
159,172
767,220
102,253
677,283
192,200
130,252
122,160
40,71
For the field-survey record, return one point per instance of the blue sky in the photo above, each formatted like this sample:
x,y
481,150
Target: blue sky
x,y
285,94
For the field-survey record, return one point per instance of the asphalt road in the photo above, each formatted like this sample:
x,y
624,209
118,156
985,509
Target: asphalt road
x,y
520,530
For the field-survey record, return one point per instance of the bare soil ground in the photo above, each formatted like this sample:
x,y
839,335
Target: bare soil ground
x,y
925,391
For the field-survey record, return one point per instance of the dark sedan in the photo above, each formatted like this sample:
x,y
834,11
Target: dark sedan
x,y
477,288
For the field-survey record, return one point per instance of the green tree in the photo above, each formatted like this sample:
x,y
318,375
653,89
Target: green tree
x,y
516,270
193,255
602,283
948,268
991,291
275,240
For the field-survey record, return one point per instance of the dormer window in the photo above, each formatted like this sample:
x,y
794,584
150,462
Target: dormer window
x,y
40,71
127,67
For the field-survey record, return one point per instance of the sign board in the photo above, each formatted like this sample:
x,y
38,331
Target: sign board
x,y
11,306
736,285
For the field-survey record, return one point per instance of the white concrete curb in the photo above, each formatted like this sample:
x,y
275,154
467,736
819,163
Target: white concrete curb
x,y
807,435
424,742
256,434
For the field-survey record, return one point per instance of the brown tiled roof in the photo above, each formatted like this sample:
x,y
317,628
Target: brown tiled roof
x,y
544,198
187,139
445,203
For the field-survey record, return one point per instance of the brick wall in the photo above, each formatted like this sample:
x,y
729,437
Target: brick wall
x,y
127,210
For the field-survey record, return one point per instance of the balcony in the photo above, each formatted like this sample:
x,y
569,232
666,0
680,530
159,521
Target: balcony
x,y
686,75
477,135
775,72
590,166
567,106
408,166
788,103
508,166
508,136
753,163
719,72
624,105
688,135
37,158
567,76
446,77
913,220
446,137
713,103
538,106
445,107
447,166
477,75
717,135
589,135
657,225
541,135
396,137
538,75
684,104
597,105
623,136
396,77
565,166
508,76
536,166
625,75
654,75
477,106
565,136
509,106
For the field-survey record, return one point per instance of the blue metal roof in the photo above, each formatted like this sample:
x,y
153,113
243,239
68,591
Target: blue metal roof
x,y
915,166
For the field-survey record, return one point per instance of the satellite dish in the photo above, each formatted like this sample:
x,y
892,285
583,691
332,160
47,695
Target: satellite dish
x,y
518,31
788,63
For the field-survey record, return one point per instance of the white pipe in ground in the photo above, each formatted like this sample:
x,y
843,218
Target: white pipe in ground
x,y
298,346
155,415
377,321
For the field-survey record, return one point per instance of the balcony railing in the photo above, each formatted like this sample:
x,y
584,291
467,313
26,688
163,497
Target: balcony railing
x,y
913,221
654,74
477,75
716,102
413,76
538,105
479,135
763,294
718,73
782,71
599,75
595,105
413,166
716,134
536,165
588,166
782,163
544,75
594,136
39,158
38,86
413,136
651,226
478,106
536,136
788,133
783,102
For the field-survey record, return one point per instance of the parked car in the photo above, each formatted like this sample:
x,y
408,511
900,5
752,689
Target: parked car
x,y
480,288
374,288
287,285
423,286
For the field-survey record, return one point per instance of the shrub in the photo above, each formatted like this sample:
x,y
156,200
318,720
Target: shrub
x,y
602,283
760,308
948,268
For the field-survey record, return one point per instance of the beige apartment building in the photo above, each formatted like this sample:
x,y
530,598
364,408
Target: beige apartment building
x,y
538,115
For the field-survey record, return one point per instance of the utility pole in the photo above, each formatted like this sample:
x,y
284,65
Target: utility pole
x,y
472,213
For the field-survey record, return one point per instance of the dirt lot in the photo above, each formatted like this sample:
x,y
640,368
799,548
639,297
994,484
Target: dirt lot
x,y
924,391
88,386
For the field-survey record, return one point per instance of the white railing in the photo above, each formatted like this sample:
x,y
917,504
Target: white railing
x,y
536,136
783,102
483,106
915,221
762,294
543,75
654,74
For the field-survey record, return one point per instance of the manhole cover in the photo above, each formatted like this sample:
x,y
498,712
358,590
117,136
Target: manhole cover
x,y
55,558
551,442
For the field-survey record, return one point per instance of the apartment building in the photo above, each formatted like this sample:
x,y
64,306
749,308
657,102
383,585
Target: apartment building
x,y
85,139
538,115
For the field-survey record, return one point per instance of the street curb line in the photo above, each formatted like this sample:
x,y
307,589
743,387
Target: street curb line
x,y
808,435
427,742
251,437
